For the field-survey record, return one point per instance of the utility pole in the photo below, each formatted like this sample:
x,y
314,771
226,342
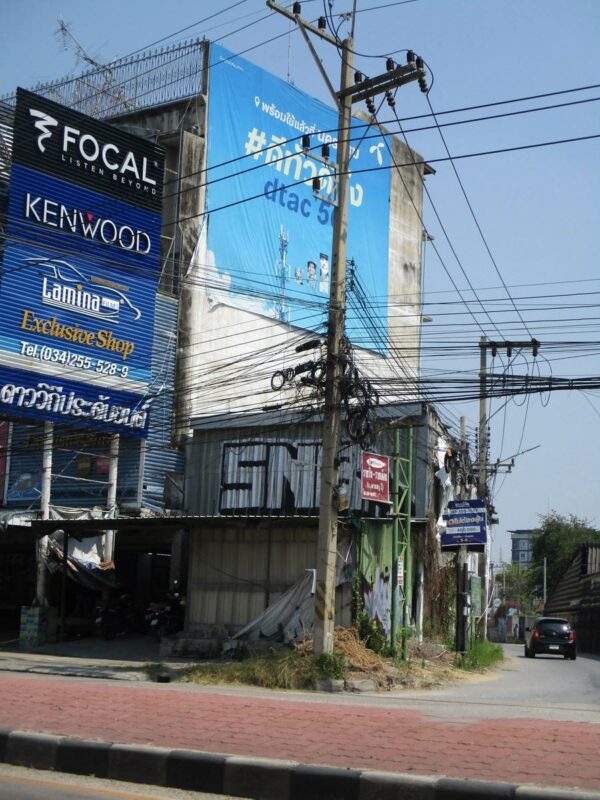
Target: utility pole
x,y
42,543
482,470
482,473
462,576
350,92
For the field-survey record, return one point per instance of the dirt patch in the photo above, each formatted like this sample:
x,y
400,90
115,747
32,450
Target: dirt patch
x,y
429,664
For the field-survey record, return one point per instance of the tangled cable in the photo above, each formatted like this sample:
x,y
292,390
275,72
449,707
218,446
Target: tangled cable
x,y
359,397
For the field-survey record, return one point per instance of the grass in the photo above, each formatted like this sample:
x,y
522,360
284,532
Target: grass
x,y
289,669
480,655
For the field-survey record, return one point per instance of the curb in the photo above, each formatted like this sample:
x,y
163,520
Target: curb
x,y
257,778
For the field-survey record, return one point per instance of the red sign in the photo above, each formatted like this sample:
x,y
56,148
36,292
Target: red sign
x,y
375,478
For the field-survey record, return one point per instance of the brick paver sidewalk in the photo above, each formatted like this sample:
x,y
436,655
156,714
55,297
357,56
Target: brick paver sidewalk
x,y
514,750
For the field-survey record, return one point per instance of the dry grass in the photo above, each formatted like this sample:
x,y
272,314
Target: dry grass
x,y
429,665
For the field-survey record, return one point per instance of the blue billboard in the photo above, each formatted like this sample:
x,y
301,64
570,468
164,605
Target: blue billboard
x,y
269,236
80,271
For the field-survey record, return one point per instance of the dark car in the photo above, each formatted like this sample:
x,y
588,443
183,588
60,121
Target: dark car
x,y
551,635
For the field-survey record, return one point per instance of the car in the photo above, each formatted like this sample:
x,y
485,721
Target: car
x,y
551,635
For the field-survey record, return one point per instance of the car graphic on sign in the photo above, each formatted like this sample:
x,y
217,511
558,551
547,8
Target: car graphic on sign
x,y
65,286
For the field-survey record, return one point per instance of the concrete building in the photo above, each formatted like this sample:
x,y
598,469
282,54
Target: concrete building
x,y
212,375
522,546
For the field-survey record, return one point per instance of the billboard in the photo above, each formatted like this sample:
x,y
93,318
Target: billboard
x,y
269,237
80,270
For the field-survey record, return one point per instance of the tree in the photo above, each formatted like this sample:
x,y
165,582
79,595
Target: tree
x,y
557,540
513,584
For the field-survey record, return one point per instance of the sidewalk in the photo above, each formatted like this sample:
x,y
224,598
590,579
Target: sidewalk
x,y
119,659
318,730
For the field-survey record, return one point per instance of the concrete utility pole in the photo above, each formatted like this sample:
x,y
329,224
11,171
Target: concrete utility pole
x,y
482,473
42,544
332,422
462,576
348,94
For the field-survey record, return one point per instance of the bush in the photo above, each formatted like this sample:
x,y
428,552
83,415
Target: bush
x,y
480,655
372,634
332,665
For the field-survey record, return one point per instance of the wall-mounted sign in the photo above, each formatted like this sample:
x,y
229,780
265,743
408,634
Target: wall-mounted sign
x,y
375,477
466,524
80,270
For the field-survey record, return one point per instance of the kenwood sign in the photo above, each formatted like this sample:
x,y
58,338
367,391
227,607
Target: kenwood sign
x,y
85,223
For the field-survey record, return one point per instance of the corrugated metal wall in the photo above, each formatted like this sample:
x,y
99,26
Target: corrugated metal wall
x,y
276,471
577,597
236,571
160,459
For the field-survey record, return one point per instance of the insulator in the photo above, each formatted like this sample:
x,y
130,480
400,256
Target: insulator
x,y
296,9
410,56
494,351
390,98
306,142
509,351
389,64
358,77
370,105
420,64
325,151
534,347
316,185
322,23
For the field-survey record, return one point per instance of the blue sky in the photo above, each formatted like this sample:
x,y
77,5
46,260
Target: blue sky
x,y
538,208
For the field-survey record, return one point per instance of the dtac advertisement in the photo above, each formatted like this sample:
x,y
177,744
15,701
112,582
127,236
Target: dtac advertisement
x,y
80,270
269,237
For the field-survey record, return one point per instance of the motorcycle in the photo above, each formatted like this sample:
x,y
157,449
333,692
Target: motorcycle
x,y
117,619
165,618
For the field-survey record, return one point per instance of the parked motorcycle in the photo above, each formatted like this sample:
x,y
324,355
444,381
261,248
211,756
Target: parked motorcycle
x,y
116,619
165,618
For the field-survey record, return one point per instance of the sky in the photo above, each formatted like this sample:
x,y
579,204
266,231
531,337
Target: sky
x,y
537,208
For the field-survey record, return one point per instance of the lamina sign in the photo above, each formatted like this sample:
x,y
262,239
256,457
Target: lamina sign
x,y
85,223
85,151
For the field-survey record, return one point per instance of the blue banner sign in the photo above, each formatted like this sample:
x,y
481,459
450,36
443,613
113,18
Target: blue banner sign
x,y
466,523
269,235
80,271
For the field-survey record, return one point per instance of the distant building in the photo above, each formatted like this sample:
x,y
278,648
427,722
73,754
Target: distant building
x,y
522,546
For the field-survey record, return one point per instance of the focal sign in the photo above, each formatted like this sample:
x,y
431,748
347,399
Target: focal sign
x,y
76,147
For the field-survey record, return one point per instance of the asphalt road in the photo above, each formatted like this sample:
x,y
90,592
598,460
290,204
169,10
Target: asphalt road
x,y
546,687
18,783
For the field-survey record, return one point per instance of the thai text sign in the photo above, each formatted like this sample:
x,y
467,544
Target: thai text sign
x,y
80,270
269,236
466,523
375,477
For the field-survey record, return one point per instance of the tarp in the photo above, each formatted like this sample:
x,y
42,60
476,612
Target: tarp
x,y
290,618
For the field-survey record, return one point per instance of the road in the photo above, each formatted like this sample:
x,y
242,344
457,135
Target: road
x,y
18,783
502,727
547,687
